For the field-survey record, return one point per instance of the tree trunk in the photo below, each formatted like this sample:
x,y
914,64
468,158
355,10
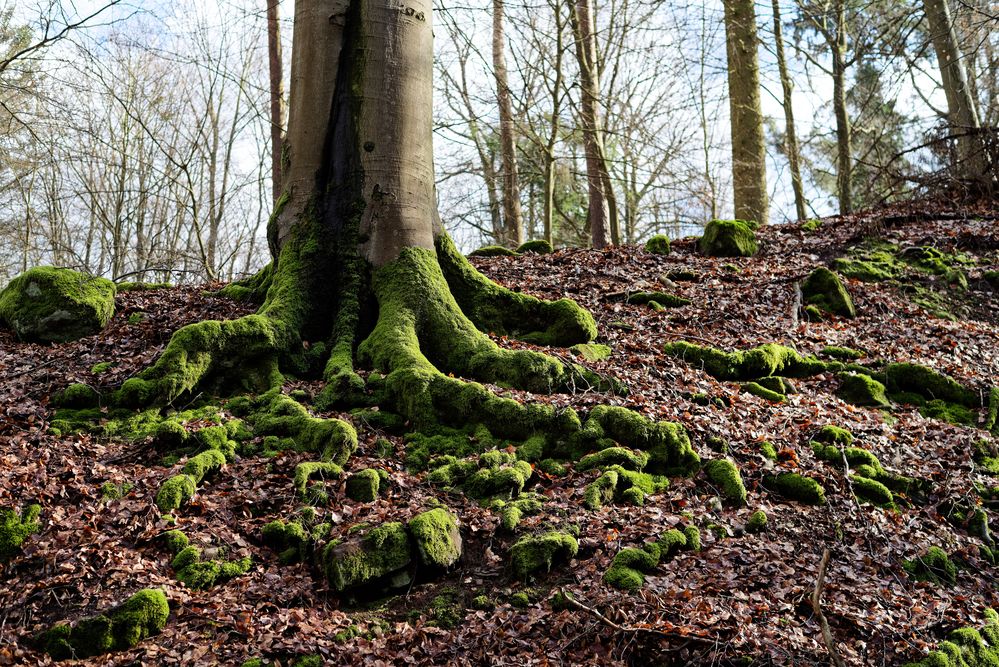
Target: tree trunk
x,y
361,261
276,67
960,102
787,87
749,157
597,178
844,161
513,225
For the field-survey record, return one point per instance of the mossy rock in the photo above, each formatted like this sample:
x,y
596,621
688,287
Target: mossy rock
x,y
378,558
438,541
622,456
797,487
757,522
823,289
757,389
831,434
724,474
728,238
846,354
175,491
908,378
512,512
871,491
531,556
860,389
663,299
538,246
934,566
658,245
142,615
363,485
492,251
14,529
53,305
591,351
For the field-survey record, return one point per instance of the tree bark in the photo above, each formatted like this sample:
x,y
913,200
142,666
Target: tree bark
x,y
513,224
277,111
844,143
749,164
787,87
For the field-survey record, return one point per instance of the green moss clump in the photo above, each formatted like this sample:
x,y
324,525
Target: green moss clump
x,y
933,566
377,556
728,238
908,378
763,361
492,251
768,450
724,474
446,609
289,539
175,491
860,389
77,396
823,289
621,456
967,647
842,353
552,467
871,491
811,226
658,245
796,487
512,512
533,555
627,571
992,412
306,472
14,529
756,389
102,367
757,522
667,444
520,600
279,415
362,486
662,298
539,246
693,535
175,541
493,473
111,491
54,305
438,541
204,464
591,351
199,574
142,615
834,435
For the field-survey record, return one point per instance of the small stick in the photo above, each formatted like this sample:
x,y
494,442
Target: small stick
x,y
827,635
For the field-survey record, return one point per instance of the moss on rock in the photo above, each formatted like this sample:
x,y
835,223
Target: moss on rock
x,y
842,353
757,389
538,246
728,238
203,465
591,351
54,305
175,491
667,444
438,541
308,471
622,456
492,251
724,474
860,389
658,245
823,289
909,378
871,491
142,615
831,434
362,485
796,487
757,522
627,571
535,555
14,529
662,298
934,566
289,539
375,557
512,512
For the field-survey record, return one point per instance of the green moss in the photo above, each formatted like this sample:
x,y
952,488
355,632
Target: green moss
x,y
175,541
253,289
77,396
658,245
142,615
289,539
757,522
860,389
201,575
532,449
362,486
834,435
949,412
102,367
871,491
175,491
111,491
512,512
666,443
534,555
600,491
663,299
520,600
811,226
908,378
823,289
768,450
591,351
379,420
552,467
756,389
776,384
763,361
375,557
728,238
332,439
842,353
627,571
492,251
446,609
54,305
539,246
992,412
724,474
933,566
14,529
483,603
438,542
796,487
204,464
693,535
621,456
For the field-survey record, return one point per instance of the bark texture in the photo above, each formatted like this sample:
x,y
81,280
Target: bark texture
x,y
513,225
275,64
791,141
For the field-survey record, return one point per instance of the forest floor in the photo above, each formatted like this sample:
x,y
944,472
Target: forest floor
x,y
741,596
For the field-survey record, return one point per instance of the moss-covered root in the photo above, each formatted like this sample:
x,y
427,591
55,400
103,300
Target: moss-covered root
x,y
758,362
967,647
934,566
502,311
724,474
536,555
14,529
797,487
252,289
627,571
667,444
142,615
275,414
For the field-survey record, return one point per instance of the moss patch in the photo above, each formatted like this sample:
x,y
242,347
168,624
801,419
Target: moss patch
x,y
757,522
933,566
539,246
724,474
438,542
14,529
763,361
531,556
380,556
728,238
824,290
661,298
492,251
658,245
860,389
796,487
630,565
363,486
53,305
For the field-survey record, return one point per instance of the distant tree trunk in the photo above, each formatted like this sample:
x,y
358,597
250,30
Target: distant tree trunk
x,y
600,209
960,102
276,65
844,164
787,86
749,163
513,224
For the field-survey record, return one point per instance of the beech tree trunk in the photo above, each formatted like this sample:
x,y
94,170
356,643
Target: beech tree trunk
x,y
277,111
844,142
749,157
791,144
513,224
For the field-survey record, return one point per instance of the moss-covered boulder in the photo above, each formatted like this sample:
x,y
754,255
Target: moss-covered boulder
x,y
363,485
380,557
967,647
52,305
797,487
142,615
437,539
724,474
728,238
539,246
535,555
757,522
823,289
658,245
860,389
492,251
14,529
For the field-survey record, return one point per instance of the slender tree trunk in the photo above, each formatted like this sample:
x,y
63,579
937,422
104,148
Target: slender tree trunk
x,y
960,102
844,161
277,110
513,223
599,213
749,158
787,86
